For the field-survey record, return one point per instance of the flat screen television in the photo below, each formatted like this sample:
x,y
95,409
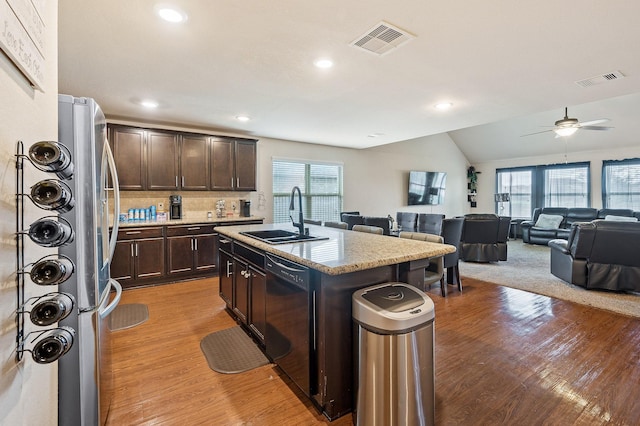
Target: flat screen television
x,y
426,188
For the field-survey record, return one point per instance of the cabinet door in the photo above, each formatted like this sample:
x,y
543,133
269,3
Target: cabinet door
x,y
180,252
194,163
226,278
245,166
162,161
258,321
149,258
122,263
128,146
222,173
205,253
241,290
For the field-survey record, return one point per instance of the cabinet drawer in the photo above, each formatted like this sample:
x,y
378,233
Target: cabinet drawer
x,y
255,257
137,233
195,229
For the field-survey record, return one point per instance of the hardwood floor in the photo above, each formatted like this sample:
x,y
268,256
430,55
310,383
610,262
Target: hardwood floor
x,y
503,356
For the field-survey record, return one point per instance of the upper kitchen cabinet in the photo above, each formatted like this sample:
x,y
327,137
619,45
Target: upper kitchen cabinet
x,y
194,162
128,145
150,159
162,161
233,164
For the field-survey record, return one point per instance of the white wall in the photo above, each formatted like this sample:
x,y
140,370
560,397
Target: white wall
x,y
375,179
28,391
487,179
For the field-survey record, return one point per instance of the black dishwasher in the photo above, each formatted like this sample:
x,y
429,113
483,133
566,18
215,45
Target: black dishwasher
x,y
289,339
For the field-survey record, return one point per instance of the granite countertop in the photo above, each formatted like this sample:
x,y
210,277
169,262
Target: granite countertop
x,y
189,221
344,251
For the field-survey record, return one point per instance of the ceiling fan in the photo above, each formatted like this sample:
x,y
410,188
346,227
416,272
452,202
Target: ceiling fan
x,y
568,126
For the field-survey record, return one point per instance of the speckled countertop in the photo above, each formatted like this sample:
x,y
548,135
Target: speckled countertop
x,y
344,251
189,221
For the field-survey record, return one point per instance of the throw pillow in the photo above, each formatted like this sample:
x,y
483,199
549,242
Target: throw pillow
x,y
549,221
621,218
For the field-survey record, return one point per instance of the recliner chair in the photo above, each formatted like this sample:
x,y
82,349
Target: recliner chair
x,y
483,238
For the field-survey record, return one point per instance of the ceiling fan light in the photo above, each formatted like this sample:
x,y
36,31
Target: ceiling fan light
x,y
565,131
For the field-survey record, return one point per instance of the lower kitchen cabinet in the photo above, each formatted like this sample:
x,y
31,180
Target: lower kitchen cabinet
x,y
139,256
243,285
191,250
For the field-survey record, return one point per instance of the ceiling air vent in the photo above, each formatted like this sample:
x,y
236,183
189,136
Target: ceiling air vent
x,y
382,38
599,79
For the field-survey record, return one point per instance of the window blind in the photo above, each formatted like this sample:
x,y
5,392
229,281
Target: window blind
x,y
319,183
621,184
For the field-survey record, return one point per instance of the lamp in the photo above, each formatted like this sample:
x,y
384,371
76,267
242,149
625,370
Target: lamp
x,y
565,131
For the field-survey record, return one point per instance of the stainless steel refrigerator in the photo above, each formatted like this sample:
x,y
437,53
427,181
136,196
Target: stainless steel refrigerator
x,y
84,373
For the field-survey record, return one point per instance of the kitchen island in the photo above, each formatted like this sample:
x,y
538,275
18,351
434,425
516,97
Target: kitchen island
x,y
313,306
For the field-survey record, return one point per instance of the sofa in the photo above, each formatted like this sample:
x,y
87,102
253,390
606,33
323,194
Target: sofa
x,y
484,238
601,254
551,223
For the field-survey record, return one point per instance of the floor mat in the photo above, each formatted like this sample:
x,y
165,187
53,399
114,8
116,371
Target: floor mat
x,y
231,351
127,316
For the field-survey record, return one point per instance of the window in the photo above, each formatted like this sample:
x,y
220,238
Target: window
x,y
518,184
320,184
621,184
555,185
566,185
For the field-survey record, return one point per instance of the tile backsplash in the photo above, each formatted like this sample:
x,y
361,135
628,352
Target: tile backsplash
x,y
195,205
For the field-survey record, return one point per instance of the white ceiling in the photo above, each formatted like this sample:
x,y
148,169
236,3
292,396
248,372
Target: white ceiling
x,y
509,67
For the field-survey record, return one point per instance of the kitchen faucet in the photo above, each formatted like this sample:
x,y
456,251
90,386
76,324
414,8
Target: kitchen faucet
x,y
300,224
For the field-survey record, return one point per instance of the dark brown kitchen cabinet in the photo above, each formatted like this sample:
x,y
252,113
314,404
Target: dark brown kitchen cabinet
x,y
226,277
233,164
138,258
241,289
129,152
257,317
162,161
191,250
194,162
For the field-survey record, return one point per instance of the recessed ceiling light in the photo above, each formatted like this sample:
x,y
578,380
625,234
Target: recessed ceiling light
x,y
242,118
375,135
171,14
444,105
323,63
149,104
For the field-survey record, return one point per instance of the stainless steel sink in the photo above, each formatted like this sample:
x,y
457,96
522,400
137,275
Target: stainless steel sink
x,y
280,236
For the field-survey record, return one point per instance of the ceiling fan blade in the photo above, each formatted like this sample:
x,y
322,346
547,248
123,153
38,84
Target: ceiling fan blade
x,y
591,123
544,131
596,127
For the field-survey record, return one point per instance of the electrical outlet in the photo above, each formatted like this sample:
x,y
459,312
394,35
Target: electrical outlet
x,y
160,207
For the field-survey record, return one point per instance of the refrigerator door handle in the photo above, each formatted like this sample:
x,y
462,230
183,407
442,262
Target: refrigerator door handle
x,y
116,197
111,306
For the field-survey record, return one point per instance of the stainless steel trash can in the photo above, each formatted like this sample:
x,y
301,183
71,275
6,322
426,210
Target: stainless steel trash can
x,y
394,368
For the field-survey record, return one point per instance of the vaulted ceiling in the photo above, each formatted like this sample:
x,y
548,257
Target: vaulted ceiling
x,y
507,67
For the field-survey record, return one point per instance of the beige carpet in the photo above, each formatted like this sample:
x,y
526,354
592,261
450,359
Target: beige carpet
x,y
231,351
127,316
527,268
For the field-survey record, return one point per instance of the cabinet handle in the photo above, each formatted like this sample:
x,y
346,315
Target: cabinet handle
x,y
237,182
232,182
132,255
176,181
192,244
136,249
229,264
195,243
183,181
193,228
133,232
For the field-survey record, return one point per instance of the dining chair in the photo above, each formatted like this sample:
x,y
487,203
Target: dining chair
x,y
435,271
368,228
339,225
451,234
